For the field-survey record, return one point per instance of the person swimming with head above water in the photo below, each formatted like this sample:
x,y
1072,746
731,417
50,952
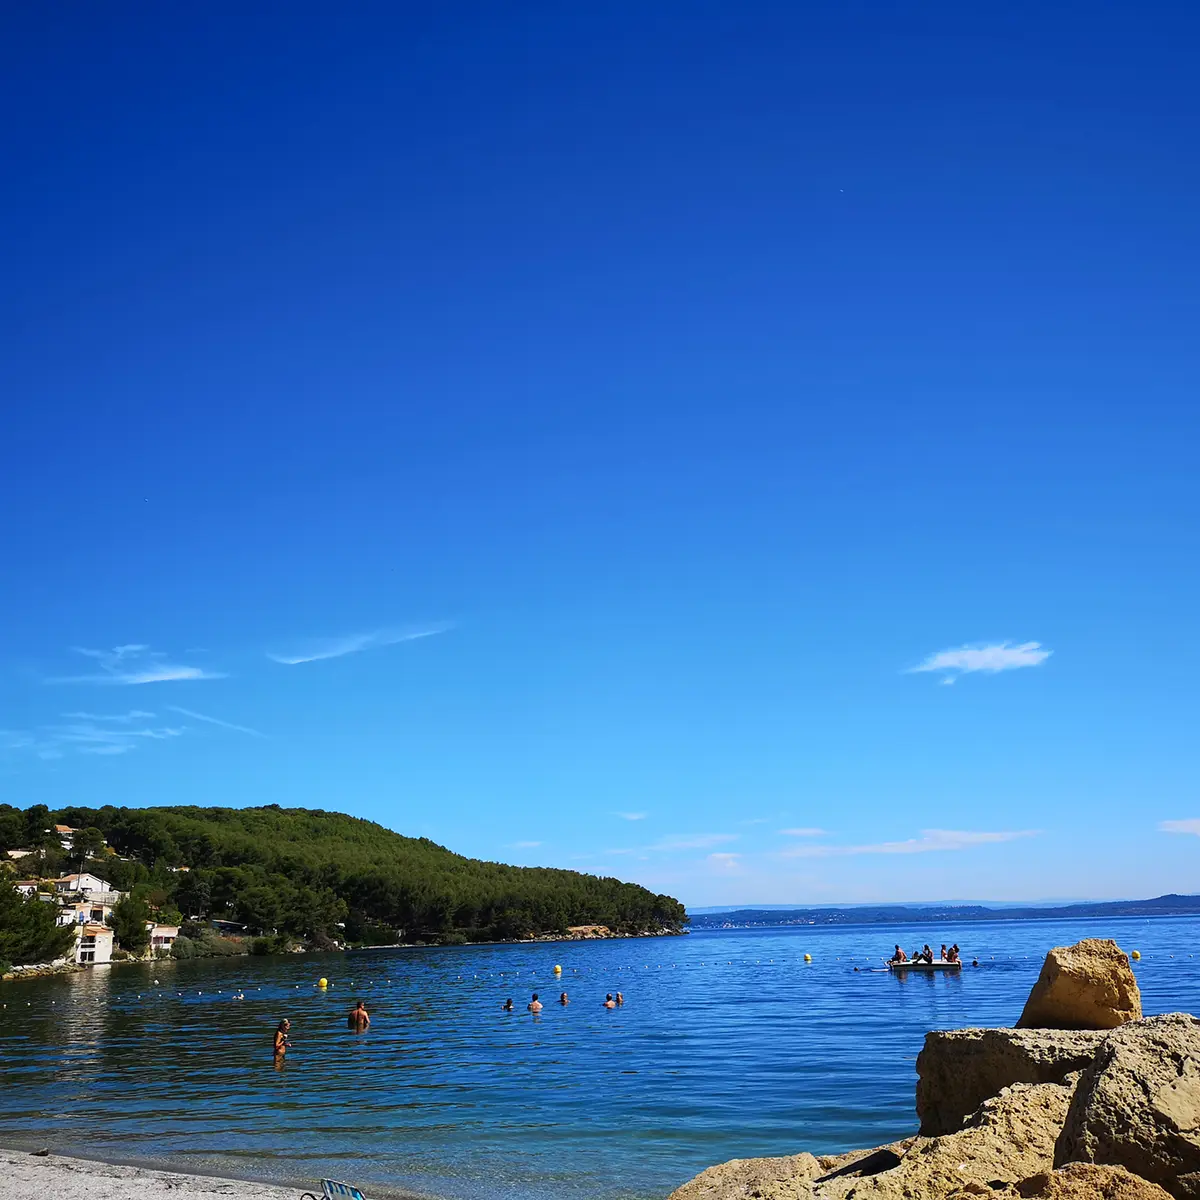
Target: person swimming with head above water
x,y
609,1002
358,1018
535,1005
508,1005
563,999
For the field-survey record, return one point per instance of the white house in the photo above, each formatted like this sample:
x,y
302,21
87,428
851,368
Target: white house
x,y
17,855
93,943
64,833
84,883
27,887
162,937
85,912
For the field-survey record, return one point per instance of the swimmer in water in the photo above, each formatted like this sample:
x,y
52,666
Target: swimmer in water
x,y
563,999
358,1019
535,1005
609,1002
282,1044
508,1005
620,999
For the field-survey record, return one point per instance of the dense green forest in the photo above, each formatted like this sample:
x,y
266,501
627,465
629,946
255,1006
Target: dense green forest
x,y
322,875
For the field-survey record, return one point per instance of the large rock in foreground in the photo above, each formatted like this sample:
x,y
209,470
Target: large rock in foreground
x,y
1086,986
1009,1139
1138,1104
1077,1181
959,1069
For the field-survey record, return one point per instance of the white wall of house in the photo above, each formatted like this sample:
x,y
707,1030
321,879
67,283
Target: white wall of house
x,y
93,944
81,883
162,937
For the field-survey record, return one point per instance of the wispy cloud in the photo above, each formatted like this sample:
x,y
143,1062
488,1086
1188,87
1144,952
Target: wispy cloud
x,y
990,659
525,845
930,841
134,664
725,863
120,718
756,821
630,816
803,832
196,716
695,841
338,647
103,735
1190,825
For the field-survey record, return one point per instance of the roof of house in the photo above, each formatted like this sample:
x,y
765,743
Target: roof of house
x,y
26,883
94,929
64,829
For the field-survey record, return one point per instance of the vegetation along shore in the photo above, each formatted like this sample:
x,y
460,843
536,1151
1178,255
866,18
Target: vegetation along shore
x,y
90,884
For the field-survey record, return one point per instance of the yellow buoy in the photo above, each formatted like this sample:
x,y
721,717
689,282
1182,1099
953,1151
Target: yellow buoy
x,y
808,958
557,969
322,982
1135,955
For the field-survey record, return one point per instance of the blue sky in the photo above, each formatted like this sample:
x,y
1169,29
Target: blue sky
x,y
597,435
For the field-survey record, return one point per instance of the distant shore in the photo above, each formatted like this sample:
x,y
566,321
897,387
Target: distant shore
x,y
28,1176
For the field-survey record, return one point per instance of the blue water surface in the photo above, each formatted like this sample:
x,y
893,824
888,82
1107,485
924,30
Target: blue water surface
x,y
729,1045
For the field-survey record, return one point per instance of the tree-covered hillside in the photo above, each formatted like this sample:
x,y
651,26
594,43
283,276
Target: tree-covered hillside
x,y
302,872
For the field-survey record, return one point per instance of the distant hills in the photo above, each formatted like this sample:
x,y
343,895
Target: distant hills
x,y
901,914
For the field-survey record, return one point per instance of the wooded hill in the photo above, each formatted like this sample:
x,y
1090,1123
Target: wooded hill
x,y
303,871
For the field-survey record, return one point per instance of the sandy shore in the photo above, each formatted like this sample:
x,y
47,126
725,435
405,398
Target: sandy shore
x,y
28,1177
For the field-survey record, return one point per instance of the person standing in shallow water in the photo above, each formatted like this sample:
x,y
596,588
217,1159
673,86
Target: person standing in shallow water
x,y
609,1002
282,1044
358,1018
535,1005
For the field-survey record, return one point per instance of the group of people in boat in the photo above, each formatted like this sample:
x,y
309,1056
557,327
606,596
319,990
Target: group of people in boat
x,y
925,955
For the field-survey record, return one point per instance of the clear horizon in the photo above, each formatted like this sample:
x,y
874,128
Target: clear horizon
x,y
748,450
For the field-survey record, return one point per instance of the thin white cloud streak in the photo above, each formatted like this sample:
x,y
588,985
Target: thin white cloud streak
x,y
134,664
803,832
84,737
693,841
698,841
121,718
525,845
631,816
318,651
990,659
196,716
725,863
930,841
1190,825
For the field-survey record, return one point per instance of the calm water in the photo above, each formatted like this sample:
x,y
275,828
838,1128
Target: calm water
x,y
729,1045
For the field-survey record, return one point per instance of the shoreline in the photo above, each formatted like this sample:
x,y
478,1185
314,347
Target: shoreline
x,y
29,1175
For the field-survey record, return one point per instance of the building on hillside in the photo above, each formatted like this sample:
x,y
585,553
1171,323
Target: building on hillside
x,y
93,943
64,833
17,855
162,937
85,912
27,887
83,882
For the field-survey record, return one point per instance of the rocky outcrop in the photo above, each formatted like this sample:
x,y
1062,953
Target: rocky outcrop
x,y
1086,986
1076,1181
1138,1104
1008,1139
959,1069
